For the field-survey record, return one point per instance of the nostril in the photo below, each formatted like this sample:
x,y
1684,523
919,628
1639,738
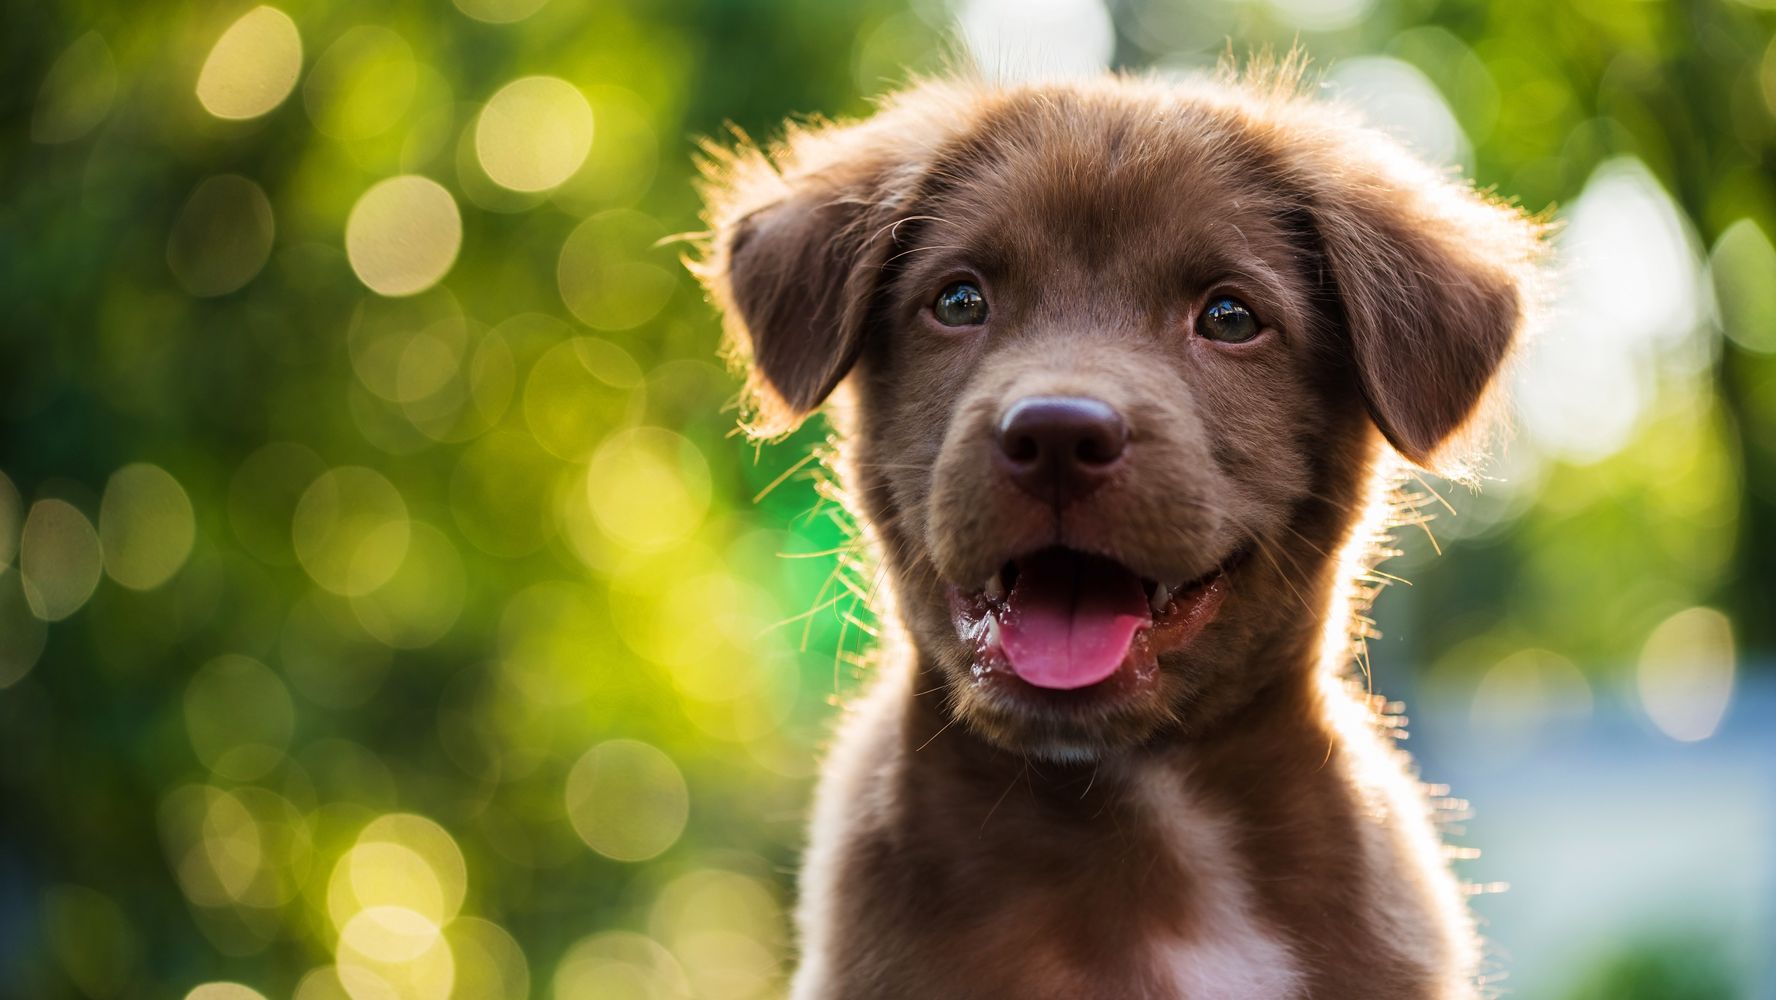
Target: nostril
x,y
1101,441
1021,448
1099,449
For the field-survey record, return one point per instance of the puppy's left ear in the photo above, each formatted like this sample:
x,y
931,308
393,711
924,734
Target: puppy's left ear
x,y
1435,283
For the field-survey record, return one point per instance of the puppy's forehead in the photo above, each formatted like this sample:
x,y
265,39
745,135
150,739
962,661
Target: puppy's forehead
x,y
1057,196
1088,176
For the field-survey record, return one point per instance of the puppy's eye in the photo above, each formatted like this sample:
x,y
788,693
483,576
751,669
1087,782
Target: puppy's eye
x,y
1227,320
960,304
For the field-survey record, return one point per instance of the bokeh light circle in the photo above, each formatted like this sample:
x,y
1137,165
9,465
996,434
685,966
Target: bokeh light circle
x,y
1017,40
247,846
403,235
391,895
554,637
500,11
727,929
703,660
1526,695
419,603
397,345
1686,673
321,984
362,84
350,530
60,559
392,953
77,94
91,938
228,852
429,361
471,397
1742,267
534,133
146,526
619,965
1397,98
12,512
252,67
625,156
224,991
605,276
649,487
1322,15
412,945
222,237
432,844
22,633
578,392
627,800
383,876
238,716
490,965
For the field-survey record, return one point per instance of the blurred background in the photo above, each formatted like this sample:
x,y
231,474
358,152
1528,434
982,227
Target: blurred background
x,y
388,609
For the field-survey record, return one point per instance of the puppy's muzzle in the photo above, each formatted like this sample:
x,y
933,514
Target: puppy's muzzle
x,y
1060,449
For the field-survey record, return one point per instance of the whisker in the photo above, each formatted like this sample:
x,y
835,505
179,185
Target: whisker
x,y
893,228
800,464
997,802
913,250
841,550
816,609
945,728
1264,550
1433,492
1291,529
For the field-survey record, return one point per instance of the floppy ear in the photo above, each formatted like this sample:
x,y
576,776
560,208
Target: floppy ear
x,y
1434,282
798,241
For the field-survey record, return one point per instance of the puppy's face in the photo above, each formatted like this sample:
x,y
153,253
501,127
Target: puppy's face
x,y
1118,366
1089,420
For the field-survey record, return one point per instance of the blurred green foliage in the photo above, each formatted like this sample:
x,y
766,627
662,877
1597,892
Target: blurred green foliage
x,y
355,645
1674,967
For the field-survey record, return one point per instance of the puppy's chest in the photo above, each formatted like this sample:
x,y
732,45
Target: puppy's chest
x,y
1075,948
1156,905
1225,950
1237,960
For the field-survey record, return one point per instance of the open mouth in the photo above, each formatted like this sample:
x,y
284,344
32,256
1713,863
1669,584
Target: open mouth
x,y
1063,619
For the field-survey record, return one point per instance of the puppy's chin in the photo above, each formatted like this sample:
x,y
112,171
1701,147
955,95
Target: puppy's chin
x,y
1187,697
1062,727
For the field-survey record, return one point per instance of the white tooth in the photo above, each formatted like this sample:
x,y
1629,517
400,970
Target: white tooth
x,y
995,587
1162,595
992,631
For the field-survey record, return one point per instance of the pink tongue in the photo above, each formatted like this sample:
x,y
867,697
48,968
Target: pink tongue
x,y
1070,618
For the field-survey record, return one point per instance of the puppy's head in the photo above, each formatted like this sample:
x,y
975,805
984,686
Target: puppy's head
x,y
1122,357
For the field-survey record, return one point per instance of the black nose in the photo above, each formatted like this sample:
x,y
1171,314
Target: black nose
x,y
1060,448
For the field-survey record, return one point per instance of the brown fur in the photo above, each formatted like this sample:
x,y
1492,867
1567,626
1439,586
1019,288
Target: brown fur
x,y
975,841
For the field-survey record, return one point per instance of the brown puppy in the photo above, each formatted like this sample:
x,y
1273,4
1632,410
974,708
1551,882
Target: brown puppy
x,y
1123,364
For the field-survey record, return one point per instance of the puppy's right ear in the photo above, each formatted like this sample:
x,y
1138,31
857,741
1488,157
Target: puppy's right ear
x,y
798,241
1432,283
